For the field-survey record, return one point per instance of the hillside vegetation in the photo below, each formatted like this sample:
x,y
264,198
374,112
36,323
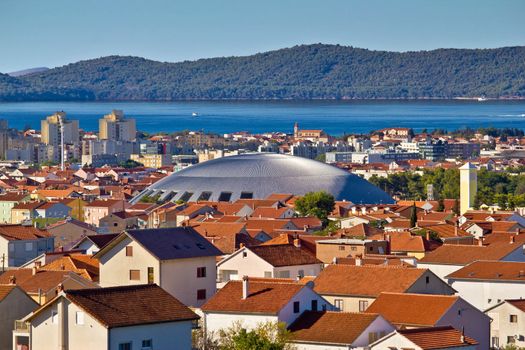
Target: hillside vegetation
x,y
301,72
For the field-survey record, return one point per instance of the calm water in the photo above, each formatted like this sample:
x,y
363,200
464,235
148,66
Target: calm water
x,y
334,117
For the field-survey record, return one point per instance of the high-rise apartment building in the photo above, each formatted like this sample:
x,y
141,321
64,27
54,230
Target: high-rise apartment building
x,y
115,127
4,138
51,129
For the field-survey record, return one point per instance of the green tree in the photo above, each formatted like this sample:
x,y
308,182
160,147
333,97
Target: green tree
x,y
413,216
455,209
266,336
128,164
319,204
441,205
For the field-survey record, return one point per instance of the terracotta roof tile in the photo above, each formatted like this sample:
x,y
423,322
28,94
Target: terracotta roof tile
x,y
437,337
263,297
44,280
367,281
20,232
406,309
284,255
330,327
5,289
464,254
131,305
491,271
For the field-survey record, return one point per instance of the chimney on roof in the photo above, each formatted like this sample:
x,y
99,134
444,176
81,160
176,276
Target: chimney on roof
x,y
38,264
517,231
241,245
480,241
12,280
358,261
60,288
297,243
34,270
521,273
428,236
456,229
462,336
245,287
305,228
511,239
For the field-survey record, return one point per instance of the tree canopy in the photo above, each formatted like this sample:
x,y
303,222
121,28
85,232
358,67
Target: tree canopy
x,y
301,72
319,204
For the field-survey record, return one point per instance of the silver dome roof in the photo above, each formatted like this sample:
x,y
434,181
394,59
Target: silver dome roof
x,y
257,175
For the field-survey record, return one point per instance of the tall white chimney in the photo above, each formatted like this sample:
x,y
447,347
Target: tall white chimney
x,y
245,287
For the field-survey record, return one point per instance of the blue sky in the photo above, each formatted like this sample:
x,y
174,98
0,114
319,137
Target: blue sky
x,y
55,32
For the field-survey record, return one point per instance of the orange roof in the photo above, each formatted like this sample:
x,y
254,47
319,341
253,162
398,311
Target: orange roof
x,y
284,255
405,242
5,289
12,197
367,281
263,297
491,271
451,254
20,232
447,231
429,338
44,280
82,264
104,203
268,212
56,193
266,225
330,327
406,309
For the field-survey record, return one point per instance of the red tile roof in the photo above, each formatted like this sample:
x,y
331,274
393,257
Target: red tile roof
x,y
406,309
284,255
263,297
330,327
20,232
369,281
449,254
130,305
498,271
437,338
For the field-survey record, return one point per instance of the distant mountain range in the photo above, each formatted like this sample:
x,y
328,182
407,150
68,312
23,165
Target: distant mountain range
x,y
301,72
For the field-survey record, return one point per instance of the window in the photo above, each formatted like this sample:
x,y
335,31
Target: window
x,y
427,279
511,339
147,344
54,317
339,304
363,305
284,274
134,275
204,196
246,195
296,307
495,342
353,248
244,254
267,274
79,318
129,250
29,246
513,319
459,312
201,272
186,196
372,337
225,196
371,249
314,305
124,346
151,275
341,247
201,294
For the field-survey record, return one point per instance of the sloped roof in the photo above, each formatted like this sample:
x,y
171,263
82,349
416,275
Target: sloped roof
x,y
44,280
499,271
464,254
284,255
407,309
369,281
130,305
264,297
5,289
21,232
437,337
330,327
173,243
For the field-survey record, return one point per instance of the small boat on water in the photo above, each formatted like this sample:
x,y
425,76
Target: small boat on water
x,y
194,114
482,98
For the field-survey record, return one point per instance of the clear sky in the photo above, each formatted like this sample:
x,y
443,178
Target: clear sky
x,y
52,33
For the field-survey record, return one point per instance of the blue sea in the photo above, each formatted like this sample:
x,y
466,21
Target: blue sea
x,y
335,117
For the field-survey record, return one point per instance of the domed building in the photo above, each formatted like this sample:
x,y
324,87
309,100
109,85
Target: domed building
x,y
257,175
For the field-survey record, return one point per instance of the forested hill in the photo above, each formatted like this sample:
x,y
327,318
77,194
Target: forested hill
x,y
301,72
